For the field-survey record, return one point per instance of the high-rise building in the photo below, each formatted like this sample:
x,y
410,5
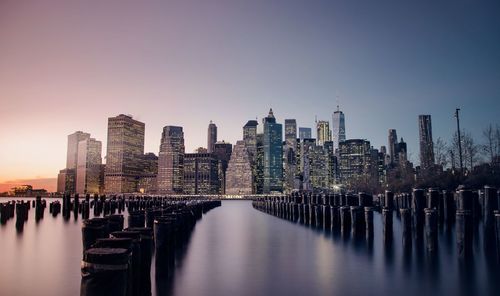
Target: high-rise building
x,y
222,152
306,147
66,181
201,174
305,133
147,181
88,171
239,179
290,153
355,160
170,177
273,154
124,152
426,144
323,132
250,137
392,144
291,133
338,127
258,167
212,137
402,152
72,150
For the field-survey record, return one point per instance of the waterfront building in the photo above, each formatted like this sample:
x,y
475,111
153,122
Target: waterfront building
x,y
171,161
201,174
239,179
222,152
319,167
355,160
273,154
289,153
306,146
338,128
125,148
258,167
147,181
66,181
212,137
88,171
72,149
305,133
250,137
425,140
323,132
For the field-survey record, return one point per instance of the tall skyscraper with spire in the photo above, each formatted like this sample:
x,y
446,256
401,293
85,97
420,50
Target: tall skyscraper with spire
x,y
124,155
338,127
273,154
426,144
171,161
212,137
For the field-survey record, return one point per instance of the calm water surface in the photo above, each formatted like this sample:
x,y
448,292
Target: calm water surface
x,y
237,250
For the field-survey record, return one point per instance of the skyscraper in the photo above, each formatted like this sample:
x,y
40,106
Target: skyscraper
x,y
72,151
125,150
66,179
171,161
289,152
222,152
147,182
201,174
88,172
273,154
305,133
212,137
338,127
323,132
291,133
355,160
250,137
392,144
426,144
239,179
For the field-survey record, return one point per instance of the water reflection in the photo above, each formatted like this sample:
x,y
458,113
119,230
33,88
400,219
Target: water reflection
x,y
236,250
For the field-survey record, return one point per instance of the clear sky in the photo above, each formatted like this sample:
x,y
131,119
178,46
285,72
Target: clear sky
x,y
69,65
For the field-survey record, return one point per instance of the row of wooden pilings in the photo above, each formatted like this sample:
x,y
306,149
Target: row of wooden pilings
x,y
420,212
20,210
117,261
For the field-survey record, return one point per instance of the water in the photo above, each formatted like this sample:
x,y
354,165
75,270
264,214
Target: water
x,y
237,250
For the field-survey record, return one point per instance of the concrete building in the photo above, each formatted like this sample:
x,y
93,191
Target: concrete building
x,y
148,180
212,137
222,152
201,174
125,149
88,171
426,143
239,179
323,132
171,161
355,160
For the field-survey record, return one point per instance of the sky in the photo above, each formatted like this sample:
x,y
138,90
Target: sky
x,y
69,65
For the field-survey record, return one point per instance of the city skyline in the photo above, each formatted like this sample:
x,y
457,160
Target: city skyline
x,y
387,63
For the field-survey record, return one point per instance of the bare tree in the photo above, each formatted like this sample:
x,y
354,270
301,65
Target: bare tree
x,y
470,151
488,147
441,152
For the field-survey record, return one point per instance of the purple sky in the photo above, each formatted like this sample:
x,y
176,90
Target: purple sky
x,y
69,65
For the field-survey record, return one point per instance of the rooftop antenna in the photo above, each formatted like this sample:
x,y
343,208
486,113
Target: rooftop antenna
x,y
338,100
